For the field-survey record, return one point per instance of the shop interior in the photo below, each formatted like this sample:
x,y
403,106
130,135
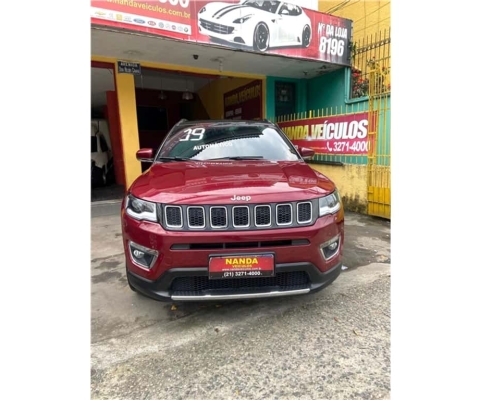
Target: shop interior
x,y
163,97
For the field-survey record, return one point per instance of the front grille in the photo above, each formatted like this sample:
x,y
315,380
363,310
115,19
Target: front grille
x,y
240,217
200,285
284,214
232,217
304,212
214,27
196,217
173,216
218,217
262,216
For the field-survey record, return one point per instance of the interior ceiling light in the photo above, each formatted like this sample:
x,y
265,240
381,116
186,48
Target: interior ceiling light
x,y
187,95
162,95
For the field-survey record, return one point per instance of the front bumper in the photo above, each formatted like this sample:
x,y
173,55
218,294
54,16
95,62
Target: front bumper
x,y
235,37
180,272
165,289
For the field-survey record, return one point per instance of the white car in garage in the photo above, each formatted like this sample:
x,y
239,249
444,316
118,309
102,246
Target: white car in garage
x,y
256,23
101,155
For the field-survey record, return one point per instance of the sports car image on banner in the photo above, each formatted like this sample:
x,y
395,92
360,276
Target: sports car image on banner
x,y
256,23
283,28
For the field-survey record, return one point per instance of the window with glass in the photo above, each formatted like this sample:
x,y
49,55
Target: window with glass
x,y
227,141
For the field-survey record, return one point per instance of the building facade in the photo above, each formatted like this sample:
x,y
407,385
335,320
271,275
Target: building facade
x,y
164,60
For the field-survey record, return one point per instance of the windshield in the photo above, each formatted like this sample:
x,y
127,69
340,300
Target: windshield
x,y
228,140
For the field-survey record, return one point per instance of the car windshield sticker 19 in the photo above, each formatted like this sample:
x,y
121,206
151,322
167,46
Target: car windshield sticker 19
x,y
193,134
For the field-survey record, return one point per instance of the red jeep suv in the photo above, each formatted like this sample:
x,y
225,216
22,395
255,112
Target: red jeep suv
x,y
229,209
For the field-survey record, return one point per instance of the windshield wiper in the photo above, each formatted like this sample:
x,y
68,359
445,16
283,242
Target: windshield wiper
x,y
238,158
176,158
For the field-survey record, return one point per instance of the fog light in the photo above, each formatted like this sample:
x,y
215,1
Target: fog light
x,y
138,253
142,256
331,248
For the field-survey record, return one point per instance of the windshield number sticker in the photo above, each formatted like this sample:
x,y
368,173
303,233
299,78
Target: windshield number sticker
x,y
196,132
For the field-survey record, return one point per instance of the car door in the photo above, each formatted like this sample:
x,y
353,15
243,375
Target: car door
x,y
271,17
286,31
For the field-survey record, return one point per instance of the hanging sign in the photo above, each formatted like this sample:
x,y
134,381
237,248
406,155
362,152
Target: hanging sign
x,y
125,67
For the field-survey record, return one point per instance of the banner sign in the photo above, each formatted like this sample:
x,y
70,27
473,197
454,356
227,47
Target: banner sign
x,y
339,134
264,26
244,102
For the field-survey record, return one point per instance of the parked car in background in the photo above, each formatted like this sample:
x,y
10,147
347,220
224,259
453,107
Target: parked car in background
x,y
101,157
229,209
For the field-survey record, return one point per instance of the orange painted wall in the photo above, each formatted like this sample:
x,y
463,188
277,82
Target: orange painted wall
x,y
212,94
369,16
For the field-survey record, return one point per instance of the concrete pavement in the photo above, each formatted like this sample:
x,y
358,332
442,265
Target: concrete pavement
x,y
331,345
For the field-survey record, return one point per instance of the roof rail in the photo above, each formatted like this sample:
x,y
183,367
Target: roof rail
x,y
181,121
267,121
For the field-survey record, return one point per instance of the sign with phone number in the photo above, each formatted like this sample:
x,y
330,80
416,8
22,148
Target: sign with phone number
x,y
341,134
245,266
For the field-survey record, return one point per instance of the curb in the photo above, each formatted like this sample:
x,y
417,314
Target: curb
x,y
103,202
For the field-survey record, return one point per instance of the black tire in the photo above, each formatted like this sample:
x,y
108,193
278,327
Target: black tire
x,y
111,176
261,37
110,172
97,176
306,36
104,177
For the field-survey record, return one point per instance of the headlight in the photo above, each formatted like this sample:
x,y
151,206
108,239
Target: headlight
x,y
141,209
202,10
330,204
242,20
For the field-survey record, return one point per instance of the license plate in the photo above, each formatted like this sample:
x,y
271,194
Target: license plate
x,y
244,266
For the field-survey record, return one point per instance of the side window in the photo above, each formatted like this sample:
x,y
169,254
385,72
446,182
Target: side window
x,y
284,10
103,144
296,11
290,9
267,6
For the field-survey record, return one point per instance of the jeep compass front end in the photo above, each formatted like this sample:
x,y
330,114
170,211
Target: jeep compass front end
x,y
230,210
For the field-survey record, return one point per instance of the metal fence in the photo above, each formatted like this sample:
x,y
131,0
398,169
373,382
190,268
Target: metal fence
x,y
377,52
371,52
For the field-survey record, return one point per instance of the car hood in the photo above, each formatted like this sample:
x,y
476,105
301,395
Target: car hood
x,y
230,12
216,182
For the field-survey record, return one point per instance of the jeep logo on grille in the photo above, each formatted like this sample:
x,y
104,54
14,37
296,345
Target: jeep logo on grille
x,y
241,198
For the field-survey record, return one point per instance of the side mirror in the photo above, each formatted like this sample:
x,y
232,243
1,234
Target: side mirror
x,y
145,155
306,153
